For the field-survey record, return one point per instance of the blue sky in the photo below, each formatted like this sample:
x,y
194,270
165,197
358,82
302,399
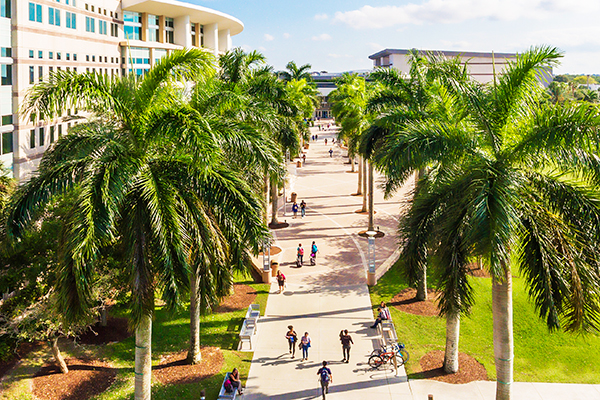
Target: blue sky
x,y
336,36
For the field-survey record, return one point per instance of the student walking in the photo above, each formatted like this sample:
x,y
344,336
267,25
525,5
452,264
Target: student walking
x,y
303,159
300,254
346,345
313,253
302,208
304,345
330,152
281,281
292,338
325,378
295,209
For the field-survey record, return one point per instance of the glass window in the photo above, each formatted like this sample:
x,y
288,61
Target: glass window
x,y
58,55
7,119
152,35
71,20
169,22
5,52
90,24
152,20
31,74
51,55
40,73
59,130
68,56
31,53
52,134
32,139
5,8
74,57
169,37
6,72
40,54
102,27
41,131
132,32
129,16
7,142
53,16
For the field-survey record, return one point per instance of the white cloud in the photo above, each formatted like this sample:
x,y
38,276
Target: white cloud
x,y
455,11
567,37
321,17
375,46
261,48
321,37
286,35
333,55
268,37
461,44
247,48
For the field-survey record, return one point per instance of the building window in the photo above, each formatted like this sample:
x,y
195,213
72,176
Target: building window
x,y
71,20
6,72
58,55
74,57
90,24
129,16
71,2
5,8
51,55
68,56
7,142
114,30
102,27
35,12
93,58
132,32
40,73
50,69
169,38
169,34
52,138
5,52
31,74
87,57
41,131
53,16
7,119
153,28
40,54
32,139
194,35
31,53
59,131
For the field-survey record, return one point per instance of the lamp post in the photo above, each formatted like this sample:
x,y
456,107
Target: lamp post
x,y
287,159
371,278
266,253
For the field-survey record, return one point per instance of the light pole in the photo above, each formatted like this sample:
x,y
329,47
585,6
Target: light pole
x,y
371,278
266,253
287,159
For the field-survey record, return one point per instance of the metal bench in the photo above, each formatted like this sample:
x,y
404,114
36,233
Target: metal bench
x,y
252,315
223,394
246,333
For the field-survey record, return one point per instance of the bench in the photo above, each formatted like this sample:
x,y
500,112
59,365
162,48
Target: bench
x,y
252,314
223,394
246,333
388,332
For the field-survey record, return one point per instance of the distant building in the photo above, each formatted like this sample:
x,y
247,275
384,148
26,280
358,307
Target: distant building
x,y
325,82
109,37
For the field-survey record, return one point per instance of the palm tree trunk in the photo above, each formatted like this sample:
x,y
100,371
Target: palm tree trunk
x,y
143,359
371,197
351,163
58,356
103,316
364,185
452,337
194,355
503,333
422,283
274,202
360,176
266,196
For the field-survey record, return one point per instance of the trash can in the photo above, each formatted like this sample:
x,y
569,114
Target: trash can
x,y
294,196
274,268
299,164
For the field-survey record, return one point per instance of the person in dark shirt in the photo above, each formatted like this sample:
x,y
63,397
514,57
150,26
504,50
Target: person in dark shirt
x,y
346,345
325,378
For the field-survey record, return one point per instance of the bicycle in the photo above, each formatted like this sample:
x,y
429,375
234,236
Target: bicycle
x,y
383,356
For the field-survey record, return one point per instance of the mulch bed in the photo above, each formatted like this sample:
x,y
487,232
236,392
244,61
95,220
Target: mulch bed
x,y
86,378
242,297
22,351
406,301
174,369
116,330
469,369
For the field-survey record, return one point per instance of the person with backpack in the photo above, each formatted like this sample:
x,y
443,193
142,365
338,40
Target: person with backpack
x,y
303,208
234,382
300,255
292,338
295,209
313,253
304,345
346,344
325,378
281,281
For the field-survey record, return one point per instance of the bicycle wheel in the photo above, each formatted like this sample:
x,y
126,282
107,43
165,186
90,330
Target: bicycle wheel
x,y
376,361
404,353
399,359
376,352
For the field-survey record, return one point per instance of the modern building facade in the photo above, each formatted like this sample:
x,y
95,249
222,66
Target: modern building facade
x,y
110,37
481,66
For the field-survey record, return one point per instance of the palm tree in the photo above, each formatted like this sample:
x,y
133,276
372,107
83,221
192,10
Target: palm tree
x,y
514,181
143,168
295,72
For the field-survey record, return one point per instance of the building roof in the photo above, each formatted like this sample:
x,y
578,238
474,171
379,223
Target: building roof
x,y
174,9
468,54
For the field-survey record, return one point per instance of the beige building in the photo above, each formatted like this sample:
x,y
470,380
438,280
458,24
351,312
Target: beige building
x,y
108,37
480,65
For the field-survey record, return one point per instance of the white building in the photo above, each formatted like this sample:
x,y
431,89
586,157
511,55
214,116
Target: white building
x,y
481,66
110,37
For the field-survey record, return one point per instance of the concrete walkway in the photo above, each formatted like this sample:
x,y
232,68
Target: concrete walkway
x,y
331,296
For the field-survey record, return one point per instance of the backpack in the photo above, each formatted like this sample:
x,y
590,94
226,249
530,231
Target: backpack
x,y
324,375
228,386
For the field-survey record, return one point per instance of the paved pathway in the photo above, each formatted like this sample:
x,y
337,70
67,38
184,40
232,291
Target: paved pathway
x,y
331,296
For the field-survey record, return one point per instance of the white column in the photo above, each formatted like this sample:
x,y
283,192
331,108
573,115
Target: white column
x,y
182,34
211,38
224,40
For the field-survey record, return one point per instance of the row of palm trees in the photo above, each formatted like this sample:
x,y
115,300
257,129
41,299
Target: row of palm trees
x,y
503,176
170,167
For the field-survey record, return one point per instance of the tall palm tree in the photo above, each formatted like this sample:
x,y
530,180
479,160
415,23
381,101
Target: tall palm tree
x,y
144,169
515,181
295,72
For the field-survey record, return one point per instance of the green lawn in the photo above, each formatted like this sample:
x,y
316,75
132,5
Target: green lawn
x,y
170,334
540,355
